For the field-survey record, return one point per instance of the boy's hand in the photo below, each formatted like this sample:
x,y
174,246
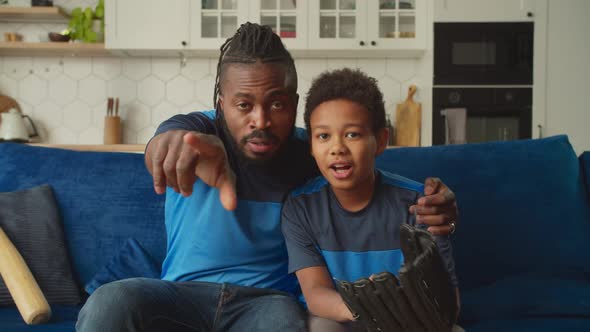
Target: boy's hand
x,y
438,208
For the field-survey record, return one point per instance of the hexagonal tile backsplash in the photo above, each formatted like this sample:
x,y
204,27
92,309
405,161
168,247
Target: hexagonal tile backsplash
x,y
66,96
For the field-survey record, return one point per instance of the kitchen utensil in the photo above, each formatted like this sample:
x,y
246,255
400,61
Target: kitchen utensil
x,y
408,120
112,130
13,129
112,122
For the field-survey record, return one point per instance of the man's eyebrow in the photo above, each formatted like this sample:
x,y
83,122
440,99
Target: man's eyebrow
x,y
278,92
243,95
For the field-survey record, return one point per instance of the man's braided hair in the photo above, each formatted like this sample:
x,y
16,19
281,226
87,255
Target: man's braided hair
x,y
251,43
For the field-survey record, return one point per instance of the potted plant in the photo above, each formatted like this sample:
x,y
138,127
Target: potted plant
x,y
87,25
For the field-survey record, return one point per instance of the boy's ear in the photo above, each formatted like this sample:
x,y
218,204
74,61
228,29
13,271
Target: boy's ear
x,y
382,139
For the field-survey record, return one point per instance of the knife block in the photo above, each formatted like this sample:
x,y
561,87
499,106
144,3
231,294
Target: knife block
x,y
112,130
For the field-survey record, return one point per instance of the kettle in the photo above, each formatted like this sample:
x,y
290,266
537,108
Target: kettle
x,y
13,129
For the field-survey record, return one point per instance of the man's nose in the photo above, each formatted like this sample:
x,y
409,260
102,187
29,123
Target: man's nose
x,y
260,118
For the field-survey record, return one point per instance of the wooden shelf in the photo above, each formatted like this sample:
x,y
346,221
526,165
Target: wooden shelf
x,y
33,14
52,49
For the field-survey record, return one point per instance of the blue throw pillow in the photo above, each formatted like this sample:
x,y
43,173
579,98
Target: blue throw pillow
x,y
130,262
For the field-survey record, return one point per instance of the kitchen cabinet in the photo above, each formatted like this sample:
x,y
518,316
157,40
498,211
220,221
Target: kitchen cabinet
x,y
368,25
307,27
147,24
288,18
213,21
483,10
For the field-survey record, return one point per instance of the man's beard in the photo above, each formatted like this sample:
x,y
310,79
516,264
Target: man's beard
x,y
239,146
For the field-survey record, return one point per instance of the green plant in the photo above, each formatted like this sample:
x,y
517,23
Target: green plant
x,y
80,25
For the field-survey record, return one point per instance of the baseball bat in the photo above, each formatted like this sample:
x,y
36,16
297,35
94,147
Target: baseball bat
x,y
21,284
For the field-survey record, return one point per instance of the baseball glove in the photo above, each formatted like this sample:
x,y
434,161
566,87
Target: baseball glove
x,y
422,299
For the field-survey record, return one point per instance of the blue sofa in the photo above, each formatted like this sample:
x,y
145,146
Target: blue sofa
x,y
521,246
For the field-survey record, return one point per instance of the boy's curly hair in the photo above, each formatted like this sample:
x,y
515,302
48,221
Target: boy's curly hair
x,y
349,84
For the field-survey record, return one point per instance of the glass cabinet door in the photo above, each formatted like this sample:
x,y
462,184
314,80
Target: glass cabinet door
x,y
213,21
337,24
287,18
399,23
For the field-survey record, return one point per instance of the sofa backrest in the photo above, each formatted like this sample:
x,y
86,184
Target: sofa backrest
x,y
523,206
104,198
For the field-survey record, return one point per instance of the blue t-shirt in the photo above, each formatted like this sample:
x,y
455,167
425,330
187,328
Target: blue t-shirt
x,y
353,245
245,246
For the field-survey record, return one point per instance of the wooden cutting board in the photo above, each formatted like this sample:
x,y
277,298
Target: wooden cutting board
x,y
408,120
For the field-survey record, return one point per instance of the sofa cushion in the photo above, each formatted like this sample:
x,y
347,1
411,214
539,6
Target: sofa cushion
x,y
532,324
63,319
523,207
130,262
31,221
560,294
104,198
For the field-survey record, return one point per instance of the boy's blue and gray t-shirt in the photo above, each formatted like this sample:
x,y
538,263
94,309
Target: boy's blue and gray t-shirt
x,y
352,245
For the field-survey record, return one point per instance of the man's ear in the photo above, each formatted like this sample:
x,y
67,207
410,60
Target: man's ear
x,y
382,137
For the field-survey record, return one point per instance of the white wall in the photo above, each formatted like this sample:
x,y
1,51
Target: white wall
x,y
568,71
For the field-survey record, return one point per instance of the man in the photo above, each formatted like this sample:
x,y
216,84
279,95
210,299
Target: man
x,y
226,174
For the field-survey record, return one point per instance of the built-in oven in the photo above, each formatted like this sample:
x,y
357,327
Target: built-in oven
x,y
476,114
483,53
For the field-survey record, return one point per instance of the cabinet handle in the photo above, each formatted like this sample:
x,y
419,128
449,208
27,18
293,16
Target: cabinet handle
x,y
529,14
362,43
373,43
183,43
540,130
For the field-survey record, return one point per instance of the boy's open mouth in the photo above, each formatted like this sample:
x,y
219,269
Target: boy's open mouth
x,y
341,170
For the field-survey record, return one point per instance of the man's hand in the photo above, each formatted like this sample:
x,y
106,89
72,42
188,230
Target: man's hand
x,y
438,208
178,157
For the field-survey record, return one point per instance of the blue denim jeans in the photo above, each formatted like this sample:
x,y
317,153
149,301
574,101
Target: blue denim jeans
x,y
141,304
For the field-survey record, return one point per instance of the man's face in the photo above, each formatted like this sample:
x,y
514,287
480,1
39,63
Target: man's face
x,y
258,106
344,145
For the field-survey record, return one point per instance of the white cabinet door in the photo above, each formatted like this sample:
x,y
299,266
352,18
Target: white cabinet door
x,y
337,24
483,10
213,21
397,24
147,24
288,19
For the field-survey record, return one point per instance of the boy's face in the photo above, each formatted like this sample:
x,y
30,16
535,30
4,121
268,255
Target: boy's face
x,y
344,145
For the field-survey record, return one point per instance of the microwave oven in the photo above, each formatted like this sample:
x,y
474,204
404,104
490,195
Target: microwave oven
x,y
491,53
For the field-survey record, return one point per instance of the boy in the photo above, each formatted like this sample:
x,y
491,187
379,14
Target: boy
x,y
345,224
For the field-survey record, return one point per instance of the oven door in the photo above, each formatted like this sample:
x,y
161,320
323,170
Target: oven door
x,y
483,53
492,114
